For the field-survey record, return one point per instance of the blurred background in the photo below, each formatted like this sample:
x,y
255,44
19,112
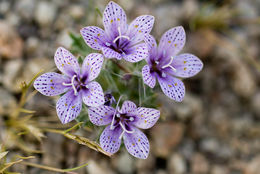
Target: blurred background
x,y
215,130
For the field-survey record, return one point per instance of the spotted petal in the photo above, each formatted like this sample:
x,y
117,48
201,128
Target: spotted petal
x,y
172,87
147,77
66,62
128,107
136,53
146,117
94,37
101,115
68,107
92,65
137,144
93,96
139,27
152,48
114,17
109,53
186,65
172,41
109,139
50,84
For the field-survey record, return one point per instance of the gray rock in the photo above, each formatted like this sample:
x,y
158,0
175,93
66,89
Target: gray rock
x,y
45,13
25,8
95,167
64,39
165,137
12,79
125,163
199,164
246,87
31,45
167,16
76,11
255,104
11,44
4,6
217,169
176,164
7,102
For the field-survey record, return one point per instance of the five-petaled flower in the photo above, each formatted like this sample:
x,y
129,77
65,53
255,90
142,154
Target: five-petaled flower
x,y
124,123
165,65
119,40
76,82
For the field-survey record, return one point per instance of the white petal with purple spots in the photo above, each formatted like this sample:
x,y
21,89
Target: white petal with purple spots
x,y
109,139
101,115
92,66
172,87
94,37
109,53
186,65
128,107
94,95
147,77
137,144
139,27
50,84
66,62
146,117
136,53
172,41
114,17
68,107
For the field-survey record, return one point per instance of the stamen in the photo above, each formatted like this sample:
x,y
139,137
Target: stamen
x,y
157,62
120,36
131,118
108,44
163,74
113,120
169,65
124,130
72,84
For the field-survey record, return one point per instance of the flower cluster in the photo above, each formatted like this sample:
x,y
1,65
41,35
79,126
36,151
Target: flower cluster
x,y
133,43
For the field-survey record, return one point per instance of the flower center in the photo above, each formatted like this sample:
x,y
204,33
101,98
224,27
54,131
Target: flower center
x,y
76,84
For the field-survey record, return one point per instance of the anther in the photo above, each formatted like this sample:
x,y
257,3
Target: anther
x,y
120,36
113,120
131,118
108,44
72,84
169,65
124,130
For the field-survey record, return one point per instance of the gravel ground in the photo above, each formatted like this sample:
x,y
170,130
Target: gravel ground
x,y
215,130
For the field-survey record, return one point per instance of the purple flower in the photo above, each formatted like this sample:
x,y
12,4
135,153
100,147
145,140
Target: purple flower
x,y
165,65
119,40
77,84
124,123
